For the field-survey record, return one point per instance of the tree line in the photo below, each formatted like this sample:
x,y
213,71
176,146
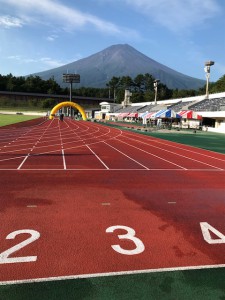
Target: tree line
x,y
141,86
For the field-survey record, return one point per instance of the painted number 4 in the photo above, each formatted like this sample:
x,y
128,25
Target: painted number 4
x,y
130,235
4,256
206,229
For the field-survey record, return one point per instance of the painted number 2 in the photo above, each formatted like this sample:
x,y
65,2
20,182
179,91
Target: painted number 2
x,y
130,235
4,256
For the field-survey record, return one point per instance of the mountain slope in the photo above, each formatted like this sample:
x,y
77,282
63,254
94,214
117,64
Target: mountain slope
x,y
121,60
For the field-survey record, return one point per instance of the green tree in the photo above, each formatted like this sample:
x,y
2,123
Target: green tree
x,y
52,86
49,103
139,83
11,83
114,84
183,93
149,96
126,82
218,86
138,97
149,82
164,92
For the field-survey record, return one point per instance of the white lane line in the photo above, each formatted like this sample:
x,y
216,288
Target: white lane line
x,y
64,161
151,154
131,169
32,149
23,162
186,157
21,134
63,154
121,273
98,158
122,170
11,158
53,151
97,143
197,150
85,137
127,156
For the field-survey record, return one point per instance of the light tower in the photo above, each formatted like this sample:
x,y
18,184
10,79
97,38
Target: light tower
x,y
156,81
71,78
208,64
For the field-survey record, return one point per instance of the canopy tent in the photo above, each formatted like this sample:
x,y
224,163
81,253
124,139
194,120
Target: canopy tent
x,y
168,113
149,115
158,113
133,115
163,113
123,115
142,115
189,114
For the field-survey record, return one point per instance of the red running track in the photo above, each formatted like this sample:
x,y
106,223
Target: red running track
x,y
90,199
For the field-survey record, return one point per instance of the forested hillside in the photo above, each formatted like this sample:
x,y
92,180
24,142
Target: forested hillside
x,y
141,86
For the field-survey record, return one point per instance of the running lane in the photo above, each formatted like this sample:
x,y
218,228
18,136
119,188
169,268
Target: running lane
x,y
85,199
88,222
87,145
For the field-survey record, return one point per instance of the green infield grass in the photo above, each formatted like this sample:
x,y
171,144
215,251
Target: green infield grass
x,y
12,119
201,139
177,285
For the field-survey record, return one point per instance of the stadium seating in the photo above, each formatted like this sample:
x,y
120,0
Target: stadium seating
x,y
216,104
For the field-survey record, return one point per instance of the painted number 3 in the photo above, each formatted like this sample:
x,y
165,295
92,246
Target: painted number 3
x,y
130,235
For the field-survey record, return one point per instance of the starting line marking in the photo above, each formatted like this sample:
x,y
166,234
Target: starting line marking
x,y
94,275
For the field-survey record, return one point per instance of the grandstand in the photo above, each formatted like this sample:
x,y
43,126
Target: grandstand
x,y
180,105
129,109
216,104
212,110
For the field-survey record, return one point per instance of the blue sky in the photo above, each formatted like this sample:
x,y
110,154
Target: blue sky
x,y
38,35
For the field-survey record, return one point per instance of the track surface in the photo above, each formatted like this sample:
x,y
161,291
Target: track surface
x,y
89,200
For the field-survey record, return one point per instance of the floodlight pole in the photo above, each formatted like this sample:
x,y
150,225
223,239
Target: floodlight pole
x,y
70,78
71,86
208,64
155,82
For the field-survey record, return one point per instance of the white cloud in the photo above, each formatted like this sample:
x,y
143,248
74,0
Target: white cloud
x,y
9,22
176,15
68,18
51,62
14,57
42,62
52,38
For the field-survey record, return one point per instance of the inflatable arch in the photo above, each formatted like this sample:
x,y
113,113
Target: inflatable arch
x,y
71,104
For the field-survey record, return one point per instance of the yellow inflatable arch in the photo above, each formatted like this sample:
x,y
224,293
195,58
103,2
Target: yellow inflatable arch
x,y
68,103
